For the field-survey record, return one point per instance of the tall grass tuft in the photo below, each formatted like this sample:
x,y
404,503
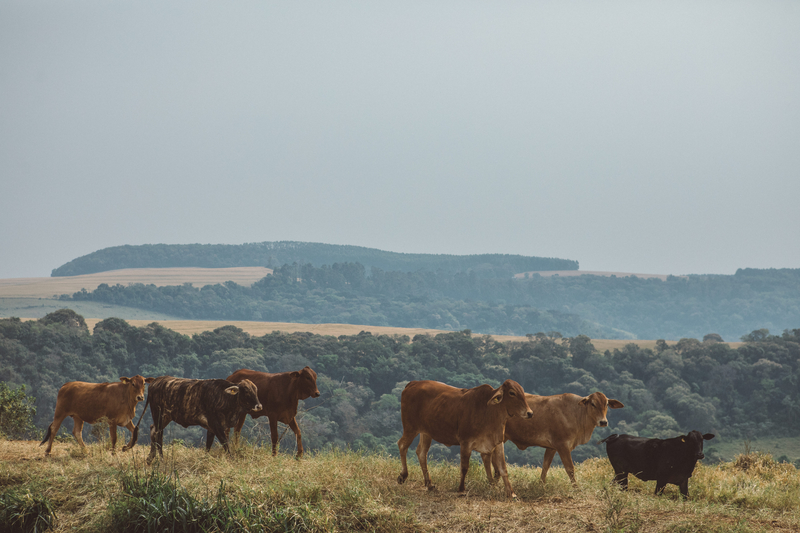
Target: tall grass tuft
x,y
25,512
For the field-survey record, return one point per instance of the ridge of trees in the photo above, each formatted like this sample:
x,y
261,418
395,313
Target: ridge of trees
x,y
736,393
597,306
271,254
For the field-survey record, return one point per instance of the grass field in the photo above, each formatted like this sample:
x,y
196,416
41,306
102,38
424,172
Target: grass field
x,y
346,491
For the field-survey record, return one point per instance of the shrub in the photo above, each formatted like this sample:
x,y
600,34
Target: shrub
x,y
16,412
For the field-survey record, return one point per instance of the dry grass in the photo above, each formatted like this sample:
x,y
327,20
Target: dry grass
x,y
339,490
47,287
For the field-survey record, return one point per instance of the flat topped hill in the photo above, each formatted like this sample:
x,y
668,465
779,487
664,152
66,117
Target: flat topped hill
x,y
275,254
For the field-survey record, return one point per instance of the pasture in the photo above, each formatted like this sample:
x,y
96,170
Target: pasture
x,y
342,490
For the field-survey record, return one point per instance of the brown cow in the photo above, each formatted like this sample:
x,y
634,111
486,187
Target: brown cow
x,y
472,418
89,402
278,394
559,424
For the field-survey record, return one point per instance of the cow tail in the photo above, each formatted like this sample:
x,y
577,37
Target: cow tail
x,y
135,435
47,435
611,438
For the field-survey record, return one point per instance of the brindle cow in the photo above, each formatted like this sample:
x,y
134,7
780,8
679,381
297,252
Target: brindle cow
x,y
214,404
474,419
89,402
559,424
278,394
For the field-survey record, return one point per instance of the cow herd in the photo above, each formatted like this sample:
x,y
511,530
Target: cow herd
x,y
479,419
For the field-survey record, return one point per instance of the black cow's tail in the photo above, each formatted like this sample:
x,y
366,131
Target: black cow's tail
x,y
47,435
611,438
135,435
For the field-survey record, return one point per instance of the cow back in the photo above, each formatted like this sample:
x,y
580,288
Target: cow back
x,y
192,402
93,401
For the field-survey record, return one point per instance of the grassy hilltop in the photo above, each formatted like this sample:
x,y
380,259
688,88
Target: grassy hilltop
x,y
348,491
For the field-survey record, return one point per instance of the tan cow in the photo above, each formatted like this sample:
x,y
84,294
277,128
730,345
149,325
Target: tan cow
x,y
559,424
475,419
279,395
89,402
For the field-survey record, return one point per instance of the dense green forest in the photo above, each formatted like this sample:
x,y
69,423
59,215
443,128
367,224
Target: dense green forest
x,y
597,306
272,254
735,393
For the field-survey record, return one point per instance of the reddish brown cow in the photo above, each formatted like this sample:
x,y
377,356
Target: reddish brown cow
x,y
278,394
474,419
559,424
89,402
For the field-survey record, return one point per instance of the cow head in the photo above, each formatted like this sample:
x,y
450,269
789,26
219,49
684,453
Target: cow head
x,y
247,395
511,394
136,384
695,442
596,405
306,383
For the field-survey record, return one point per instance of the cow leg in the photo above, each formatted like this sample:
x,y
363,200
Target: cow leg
x,y
466,453
77,430
569,466
130,427
402,444
621,479
52,430
222,434
237,429
549,453
112,432
502,470
684,487
488,459
422,454
660,487
273,433
294,427
210,440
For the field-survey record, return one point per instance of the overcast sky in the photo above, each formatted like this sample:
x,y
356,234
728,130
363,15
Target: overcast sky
x,y
650,137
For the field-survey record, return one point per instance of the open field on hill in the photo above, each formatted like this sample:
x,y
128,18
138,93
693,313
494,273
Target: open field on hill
x,y
345,491
49,287
547,273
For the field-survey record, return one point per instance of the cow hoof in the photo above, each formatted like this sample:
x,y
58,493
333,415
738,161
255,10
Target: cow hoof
x,y
401,479
431,488
462,494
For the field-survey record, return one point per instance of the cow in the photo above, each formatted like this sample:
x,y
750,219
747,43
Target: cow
x,y
665,460
89,402
474,419
214,404
278,394
559,424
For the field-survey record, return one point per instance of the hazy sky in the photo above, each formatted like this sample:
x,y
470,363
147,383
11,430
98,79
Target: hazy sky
x,y
652,137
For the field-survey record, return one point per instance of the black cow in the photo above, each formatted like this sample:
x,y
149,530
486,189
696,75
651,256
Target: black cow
x,y
214,404
665,460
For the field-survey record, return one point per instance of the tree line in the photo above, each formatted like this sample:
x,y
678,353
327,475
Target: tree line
x,y
707,385
272,254
597,306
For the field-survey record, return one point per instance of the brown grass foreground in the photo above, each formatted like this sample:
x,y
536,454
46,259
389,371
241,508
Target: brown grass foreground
x,y
343,490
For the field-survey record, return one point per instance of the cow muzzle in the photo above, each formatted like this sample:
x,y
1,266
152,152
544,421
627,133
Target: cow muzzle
x,y
603,423
529,414
140,398
256,408
701,455
315,394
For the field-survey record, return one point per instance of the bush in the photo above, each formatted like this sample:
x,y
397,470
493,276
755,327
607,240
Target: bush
x,y
16,412
25,512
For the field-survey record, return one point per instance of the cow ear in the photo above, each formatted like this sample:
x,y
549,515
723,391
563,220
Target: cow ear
x,y
295,374
124,379
584,401
232,390
708,436
497,397
149,380
615,404
683,439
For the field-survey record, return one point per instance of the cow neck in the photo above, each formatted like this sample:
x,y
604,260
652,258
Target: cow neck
x,y
586,426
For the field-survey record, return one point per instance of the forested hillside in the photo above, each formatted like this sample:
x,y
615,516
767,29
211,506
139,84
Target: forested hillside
x,y
272,254
736,393
597,306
